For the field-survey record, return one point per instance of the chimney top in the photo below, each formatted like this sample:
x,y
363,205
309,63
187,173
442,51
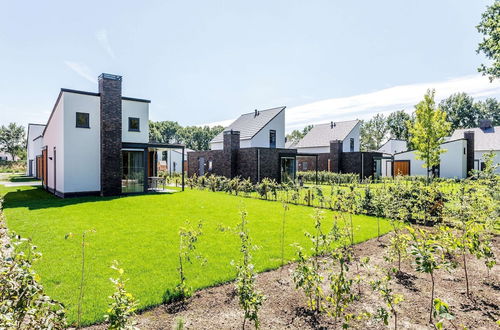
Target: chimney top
x,y
109,76
485,123
256,113
332,124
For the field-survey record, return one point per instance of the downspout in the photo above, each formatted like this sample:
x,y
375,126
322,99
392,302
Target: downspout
x,y
182,168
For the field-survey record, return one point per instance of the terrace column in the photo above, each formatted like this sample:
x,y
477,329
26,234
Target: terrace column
x,y
231,145
335,155
469,136
110,90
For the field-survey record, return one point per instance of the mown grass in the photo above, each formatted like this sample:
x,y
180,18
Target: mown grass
x,y
141,232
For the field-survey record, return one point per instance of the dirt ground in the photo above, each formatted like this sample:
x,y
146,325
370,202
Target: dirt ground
x,y
284,308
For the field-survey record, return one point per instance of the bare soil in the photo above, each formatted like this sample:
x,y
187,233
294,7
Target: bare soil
x,y
285,308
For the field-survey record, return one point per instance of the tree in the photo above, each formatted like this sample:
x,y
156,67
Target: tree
x,y
397,123
460,111
198,138
373,132
489,109
164,131
12,139
428,131
296,135
490,45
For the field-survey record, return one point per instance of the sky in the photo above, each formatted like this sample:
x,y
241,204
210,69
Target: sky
x,y
206,62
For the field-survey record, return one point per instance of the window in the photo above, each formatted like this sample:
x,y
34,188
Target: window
x,y
133,124
351,144
272,138
82,120
304,166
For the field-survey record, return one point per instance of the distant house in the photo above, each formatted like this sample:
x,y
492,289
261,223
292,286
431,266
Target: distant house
x,y
4,156
95,143
318,139
258,129
33,151
388,149
172,163
486,139
251,147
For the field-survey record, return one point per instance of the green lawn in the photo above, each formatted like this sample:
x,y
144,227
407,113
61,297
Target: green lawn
x,y
141,232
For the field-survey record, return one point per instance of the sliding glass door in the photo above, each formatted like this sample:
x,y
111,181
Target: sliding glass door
x,y
133,171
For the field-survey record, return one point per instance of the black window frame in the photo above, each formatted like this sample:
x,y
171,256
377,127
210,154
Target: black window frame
x,y
351,144
272,142
76,120
130,129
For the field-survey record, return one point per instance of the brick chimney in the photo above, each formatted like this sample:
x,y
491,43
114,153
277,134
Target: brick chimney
x,y
110,90
335,155
469,136
231,145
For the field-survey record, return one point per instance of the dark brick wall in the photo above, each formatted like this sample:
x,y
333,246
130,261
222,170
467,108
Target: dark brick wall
x,y
361,163
247,162
469,136
336,155
110,90
231,145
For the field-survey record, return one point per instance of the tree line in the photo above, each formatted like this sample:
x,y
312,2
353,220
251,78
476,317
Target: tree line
x,y
194,137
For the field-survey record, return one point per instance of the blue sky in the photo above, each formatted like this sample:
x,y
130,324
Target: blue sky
x,y
209,61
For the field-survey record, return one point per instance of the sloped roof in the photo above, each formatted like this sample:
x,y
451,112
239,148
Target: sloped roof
x,y
484,139
321,135
393,146
249,124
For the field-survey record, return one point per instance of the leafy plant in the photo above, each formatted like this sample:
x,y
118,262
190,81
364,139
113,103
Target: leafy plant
x,y
82,272
249,298
188,237
442,313
123,305
285,209
391,299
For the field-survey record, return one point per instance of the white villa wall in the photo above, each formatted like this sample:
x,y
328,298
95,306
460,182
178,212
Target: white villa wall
x,y
346,145
137,110
314,150
261,139
82,153
478,158
34,147
53,137
453,161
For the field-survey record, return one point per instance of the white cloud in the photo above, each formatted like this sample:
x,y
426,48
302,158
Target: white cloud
x,y
364,106
223,123
82,70
102,37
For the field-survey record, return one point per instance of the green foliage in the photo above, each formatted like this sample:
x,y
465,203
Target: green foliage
x,y
398,123
442,313
296,135
428,131
460,111
383,285
489,109
489,27
23,302
123,304
325,177
250,299
373,133
12,139
188,238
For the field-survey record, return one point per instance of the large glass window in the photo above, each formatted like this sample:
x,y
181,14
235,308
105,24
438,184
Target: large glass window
x,y
351,144
287,169
272,138
133,171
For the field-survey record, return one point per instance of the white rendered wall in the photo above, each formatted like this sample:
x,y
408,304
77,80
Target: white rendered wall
x,y
82,153
243,144
261,139
33,147
314,150
393,146
478,155
137,110
346,145
453,161
53,137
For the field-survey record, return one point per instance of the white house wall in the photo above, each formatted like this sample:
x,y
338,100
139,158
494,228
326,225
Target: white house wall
x,y
346,145
82,153
453,163
137,110
314,150
478,159
34,147
261,139
53,137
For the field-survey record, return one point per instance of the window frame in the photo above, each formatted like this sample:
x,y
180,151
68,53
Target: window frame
x,y
351,145
130,129
76,119
272,132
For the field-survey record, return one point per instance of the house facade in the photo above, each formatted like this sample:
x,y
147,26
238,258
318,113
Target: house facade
x,y
96,143
383,166
258,129
251,147
33,149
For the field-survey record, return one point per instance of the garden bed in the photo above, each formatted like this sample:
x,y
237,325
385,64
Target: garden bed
x,y
217,307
